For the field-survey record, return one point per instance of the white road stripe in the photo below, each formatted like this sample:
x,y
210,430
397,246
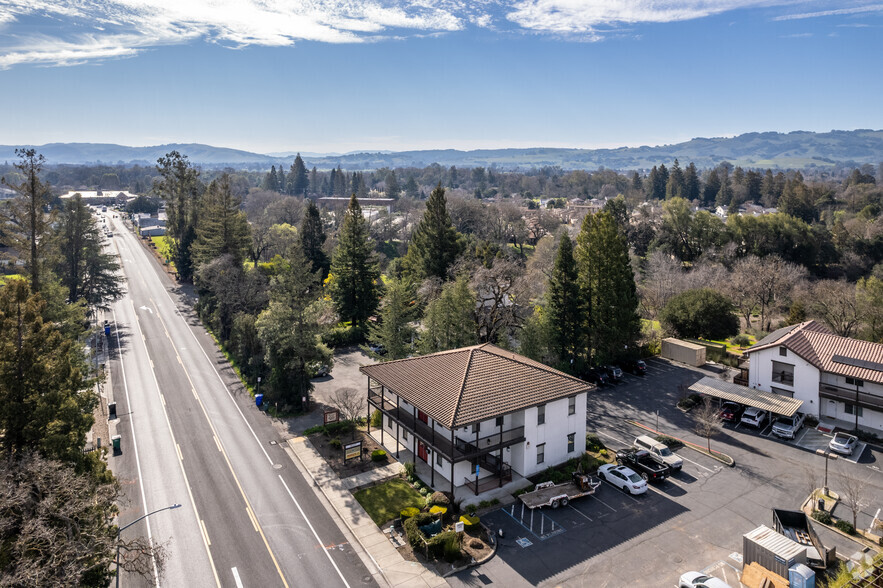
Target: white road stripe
x,y
582,514
236,578
697,464
602,502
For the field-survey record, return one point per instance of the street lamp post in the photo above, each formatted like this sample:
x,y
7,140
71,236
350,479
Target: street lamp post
x,y
120,532
828,456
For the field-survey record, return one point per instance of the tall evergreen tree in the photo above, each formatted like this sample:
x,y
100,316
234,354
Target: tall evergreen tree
x,y
608,286
312,236
281,181
712,187
566,307
392,185
180,187
412,190
85,269
394,331
435,243
354,287
339,182
297,176
271,182
725,194
676,185
691,183
314,181
449,320
25,221
223,228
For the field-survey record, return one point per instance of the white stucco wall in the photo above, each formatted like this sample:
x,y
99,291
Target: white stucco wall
x,y
554,434
806,377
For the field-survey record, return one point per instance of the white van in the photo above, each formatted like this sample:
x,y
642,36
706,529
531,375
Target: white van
x,y
659,452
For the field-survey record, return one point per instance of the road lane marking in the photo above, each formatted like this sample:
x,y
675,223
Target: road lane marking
x,y
135,448
316,535
163,399
180,463
205,532
178,449
226,457
236,578
218,443
697,464
254,520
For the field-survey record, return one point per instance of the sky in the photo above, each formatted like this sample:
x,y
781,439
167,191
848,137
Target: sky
x,y
370,75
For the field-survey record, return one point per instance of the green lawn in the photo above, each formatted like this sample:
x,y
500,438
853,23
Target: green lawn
x,y
384,502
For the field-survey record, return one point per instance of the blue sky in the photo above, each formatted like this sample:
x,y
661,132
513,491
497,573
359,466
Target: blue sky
x,y
342,75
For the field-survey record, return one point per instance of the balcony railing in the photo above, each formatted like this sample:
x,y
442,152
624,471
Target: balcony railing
x,y
460,449
870,401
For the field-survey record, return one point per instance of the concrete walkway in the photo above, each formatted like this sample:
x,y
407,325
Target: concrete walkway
x,y
390,568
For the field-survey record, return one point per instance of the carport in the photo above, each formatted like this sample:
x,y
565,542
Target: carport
x,y
768,401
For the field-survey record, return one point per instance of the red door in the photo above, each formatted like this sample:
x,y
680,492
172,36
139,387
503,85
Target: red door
x,y
422,416
421,450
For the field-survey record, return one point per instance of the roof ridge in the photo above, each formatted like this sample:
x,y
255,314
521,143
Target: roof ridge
x,y
539,365
462,387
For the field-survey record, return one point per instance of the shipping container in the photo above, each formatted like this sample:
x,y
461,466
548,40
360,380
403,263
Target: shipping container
x,y
683,351
772,550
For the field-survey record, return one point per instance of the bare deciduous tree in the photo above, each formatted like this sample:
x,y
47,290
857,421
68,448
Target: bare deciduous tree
x,y
350,402
766,282
834,302
853,494
707,421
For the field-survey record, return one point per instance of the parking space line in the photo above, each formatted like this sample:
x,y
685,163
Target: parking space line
x,y
697,464
802,435
602,502
626,494
581,513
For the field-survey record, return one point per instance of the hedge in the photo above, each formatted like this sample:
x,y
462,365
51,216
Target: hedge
x,y
378,455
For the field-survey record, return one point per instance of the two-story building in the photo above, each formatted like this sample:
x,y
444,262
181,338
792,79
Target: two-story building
x,y
835,377
477,414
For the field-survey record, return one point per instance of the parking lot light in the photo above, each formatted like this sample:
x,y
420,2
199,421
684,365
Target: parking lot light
x,y
828,456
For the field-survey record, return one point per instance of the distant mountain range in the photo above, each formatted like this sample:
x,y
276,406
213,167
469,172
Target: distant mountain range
x,y
798,149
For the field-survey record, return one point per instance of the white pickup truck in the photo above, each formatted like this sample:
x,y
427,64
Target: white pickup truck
x,y
787,427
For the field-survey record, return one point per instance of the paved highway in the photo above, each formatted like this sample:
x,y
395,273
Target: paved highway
x,y
191,435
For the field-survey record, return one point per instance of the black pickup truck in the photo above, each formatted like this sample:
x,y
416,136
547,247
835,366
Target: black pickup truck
x,y
643,464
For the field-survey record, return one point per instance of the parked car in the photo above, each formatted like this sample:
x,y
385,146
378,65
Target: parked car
x,y
377,348
623,478
659,452
643,463
753,416
317,370
596,376
787,427
843,443
634,366
613,372
731,412
700,580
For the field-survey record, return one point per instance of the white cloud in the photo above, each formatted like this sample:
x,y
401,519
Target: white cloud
x,y
836,12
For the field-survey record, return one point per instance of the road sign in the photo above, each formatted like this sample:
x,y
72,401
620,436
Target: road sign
x,y
352,451
331,416
477,469
459,527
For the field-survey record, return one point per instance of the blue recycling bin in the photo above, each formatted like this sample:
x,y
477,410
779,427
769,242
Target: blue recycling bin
x,y
259,400
107,330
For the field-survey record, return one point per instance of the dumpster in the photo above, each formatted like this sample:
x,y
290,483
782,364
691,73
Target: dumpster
x,y
116,440
259,400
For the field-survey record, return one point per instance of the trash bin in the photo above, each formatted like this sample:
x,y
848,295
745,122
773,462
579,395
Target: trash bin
x,y
107,330
821,504
116,439
112,410
259,399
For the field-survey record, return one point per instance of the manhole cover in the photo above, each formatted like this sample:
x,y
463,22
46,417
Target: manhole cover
x,y
677,559
367,580
277,466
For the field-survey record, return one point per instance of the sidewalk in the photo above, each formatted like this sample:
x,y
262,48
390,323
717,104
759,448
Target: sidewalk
x,y
391,569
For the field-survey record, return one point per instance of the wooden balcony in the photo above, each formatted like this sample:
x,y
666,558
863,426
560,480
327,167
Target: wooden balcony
x,y
865,400
460,450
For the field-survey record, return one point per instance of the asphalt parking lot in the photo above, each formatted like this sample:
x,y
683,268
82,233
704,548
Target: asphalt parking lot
x,y
692,521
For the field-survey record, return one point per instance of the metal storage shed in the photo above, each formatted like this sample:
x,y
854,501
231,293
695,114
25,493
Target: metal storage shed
x,y
772,550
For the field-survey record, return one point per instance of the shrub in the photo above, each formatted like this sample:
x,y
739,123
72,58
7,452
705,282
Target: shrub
x,y
438,510
469,509
342,335
593,443
822,516
440,498
335,443
671,442
686,404
378,455
409,470
495,502
845,526
469,521
376,419
412,526
484,504
409,512
445,545
741,341
424,491
811,421
696,398
417,485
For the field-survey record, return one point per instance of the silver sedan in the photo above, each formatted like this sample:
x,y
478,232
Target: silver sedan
x,y
843,443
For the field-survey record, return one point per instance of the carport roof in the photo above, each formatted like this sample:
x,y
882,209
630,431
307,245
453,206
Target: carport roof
x,y
775,403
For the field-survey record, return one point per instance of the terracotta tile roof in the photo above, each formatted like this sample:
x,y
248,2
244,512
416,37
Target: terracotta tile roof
x,y
829,352
471,384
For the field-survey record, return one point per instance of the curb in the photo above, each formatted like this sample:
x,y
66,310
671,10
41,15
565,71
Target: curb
x,y
474,562
718,455
858,538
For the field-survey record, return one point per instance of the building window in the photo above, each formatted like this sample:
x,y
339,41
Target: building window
x,y
571,405
438,458
783,373
853,409
499,421
541,414
404,434
783,351
476,427
389,422
570,442
541,453
855,382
